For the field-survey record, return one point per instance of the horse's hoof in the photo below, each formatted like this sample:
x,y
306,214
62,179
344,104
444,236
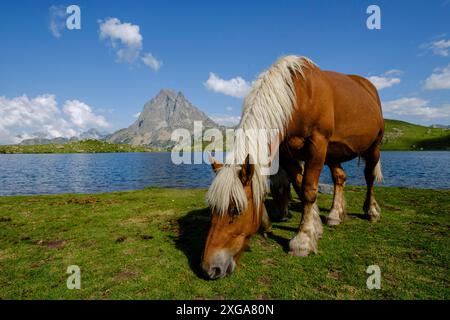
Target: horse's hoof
x,y
302,245
333,222
373,218
373,214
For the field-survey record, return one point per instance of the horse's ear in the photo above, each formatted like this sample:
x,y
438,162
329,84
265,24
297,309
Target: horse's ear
x,y
215,165
246,173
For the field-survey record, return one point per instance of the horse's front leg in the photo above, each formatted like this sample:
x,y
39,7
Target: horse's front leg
x,y
310,230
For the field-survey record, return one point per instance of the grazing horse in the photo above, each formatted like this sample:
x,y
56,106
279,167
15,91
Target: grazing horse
x,y
323,118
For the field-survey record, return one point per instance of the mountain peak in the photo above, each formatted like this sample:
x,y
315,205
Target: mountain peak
x,y
166,93
167,111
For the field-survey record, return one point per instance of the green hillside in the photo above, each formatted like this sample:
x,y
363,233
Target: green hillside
x,y
84,146
401,135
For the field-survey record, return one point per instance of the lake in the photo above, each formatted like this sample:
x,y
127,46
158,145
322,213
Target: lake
x,y
27,174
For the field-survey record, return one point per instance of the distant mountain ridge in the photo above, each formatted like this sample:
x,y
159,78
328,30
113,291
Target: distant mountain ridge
x,y
167,111
41,138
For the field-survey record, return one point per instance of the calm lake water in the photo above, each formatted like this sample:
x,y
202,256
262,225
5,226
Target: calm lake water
x,y
25,174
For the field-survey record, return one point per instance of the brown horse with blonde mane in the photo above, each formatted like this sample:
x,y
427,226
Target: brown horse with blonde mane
x,y
323,118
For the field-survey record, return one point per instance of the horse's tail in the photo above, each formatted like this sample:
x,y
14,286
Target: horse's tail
x,y
377,172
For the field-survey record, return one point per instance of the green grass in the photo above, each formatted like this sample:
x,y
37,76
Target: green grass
x,y
400,135
147,245
84,146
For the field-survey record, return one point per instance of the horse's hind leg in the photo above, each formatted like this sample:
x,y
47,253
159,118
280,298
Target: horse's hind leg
x,y
338,210
296,171
372,171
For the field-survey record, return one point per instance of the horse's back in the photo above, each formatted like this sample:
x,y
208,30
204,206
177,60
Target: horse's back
x,y
358,120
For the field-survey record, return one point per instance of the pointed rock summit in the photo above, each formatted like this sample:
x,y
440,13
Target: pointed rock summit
x,y
167,111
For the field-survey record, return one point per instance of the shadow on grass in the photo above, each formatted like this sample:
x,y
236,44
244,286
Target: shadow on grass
x,y
361,216
193,230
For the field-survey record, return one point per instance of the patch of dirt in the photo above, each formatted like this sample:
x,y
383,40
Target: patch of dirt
x,y
83,201
125,274
5,219
146,237
51,244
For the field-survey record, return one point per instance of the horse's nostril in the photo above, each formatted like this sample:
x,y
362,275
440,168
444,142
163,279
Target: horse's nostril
x,y
216,272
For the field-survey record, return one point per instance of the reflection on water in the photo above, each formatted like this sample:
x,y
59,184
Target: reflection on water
x,y
22,174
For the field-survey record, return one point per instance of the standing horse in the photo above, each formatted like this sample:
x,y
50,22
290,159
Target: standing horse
x,y
324,118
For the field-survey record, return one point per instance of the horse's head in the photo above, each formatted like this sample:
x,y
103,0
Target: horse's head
x,y
235,217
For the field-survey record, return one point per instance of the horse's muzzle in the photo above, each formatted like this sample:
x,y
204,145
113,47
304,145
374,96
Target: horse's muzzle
x,y
221,265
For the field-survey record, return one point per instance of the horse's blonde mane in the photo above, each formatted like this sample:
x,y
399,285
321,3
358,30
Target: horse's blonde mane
x,y
269,105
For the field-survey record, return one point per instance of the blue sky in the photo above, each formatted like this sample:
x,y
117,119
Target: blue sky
x,y
82,77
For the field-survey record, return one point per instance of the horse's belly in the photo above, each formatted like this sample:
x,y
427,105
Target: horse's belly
x,y
338,152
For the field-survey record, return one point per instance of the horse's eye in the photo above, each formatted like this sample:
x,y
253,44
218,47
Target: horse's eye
x,y
233,211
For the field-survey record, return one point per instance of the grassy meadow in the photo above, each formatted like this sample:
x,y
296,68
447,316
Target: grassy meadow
x,y
83,146
147,245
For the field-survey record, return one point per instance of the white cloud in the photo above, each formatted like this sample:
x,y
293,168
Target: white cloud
x,y
235,87
226,120
127,41
415,107
440,79
81,115
386,80
136,115
393,72
58,16
151,61
125,38
22,115
439,48
229,108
